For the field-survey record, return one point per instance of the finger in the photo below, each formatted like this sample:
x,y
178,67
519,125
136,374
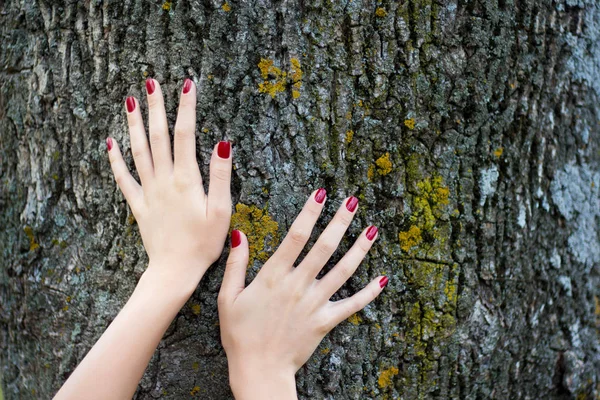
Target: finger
x,y
219,188
300,231
139,143
344,269
160,142
341,310
328,241
127,184
234,279
185,129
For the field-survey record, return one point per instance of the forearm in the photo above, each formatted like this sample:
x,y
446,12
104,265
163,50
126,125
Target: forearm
x,y
116,363
249,382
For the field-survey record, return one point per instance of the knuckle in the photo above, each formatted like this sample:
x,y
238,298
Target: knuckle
x,y
156,138
345,219
154,102
326,248
220,174
299,236
222,211
344,272
183,133
364,245
137,154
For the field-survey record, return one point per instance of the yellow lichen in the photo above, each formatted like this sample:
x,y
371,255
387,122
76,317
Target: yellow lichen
x,y
386,377
380,12
275,80
355,319
498,152
409,123
410,238
195,390
325,351
384,165
259,227
196,308
349,136
195,366
166,5
32,243
226,7
371,172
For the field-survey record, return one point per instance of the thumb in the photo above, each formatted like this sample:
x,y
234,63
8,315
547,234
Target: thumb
x,y
234,280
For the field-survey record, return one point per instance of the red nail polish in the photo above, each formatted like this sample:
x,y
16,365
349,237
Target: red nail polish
x,y
109,143
320,195
224,149
371,232
383,282
236,238
187,85
130,104
150,85
351,204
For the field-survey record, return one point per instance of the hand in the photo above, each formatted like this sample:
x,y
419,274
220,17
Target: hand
x,y
183,229
271,328
183,232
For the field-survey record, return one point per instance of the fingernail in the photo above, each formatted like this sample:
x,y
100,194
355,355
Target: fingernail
x,y
130,104
236,238
371,232
383,282
187,85
351,204
109,143
224,149
320,195
150,85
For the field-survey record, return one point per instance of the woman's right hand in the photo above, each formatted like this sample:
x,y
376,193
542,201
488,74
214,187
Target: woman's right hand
x,y
271,328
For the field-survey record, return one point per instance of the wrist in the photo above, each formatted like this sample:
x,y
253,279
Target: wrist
x,y
167,279
250,381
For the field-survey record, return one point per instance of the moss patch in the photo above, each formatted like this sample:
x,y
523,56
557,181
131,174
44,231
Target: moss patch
x,y
384,164
259,227
410,238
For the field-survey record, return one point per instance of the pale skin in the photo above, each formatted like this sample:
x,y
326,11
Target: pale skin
x,y
183,230
269,329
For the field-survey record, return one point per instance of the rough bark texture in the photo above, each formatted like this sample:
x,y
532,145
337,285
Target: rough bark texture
x,y
469,131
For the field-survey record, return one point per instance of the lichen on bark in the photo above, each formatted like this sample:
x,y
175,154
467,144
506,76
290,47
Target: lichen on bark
x,y
468,130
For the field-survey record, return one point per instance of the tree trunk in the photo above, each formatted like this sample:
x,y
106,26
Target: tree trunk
x,y
468,130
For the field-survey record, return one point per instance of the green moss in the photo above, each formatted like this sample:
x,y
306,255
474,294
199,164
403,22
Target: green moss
x,y
259,227
410,238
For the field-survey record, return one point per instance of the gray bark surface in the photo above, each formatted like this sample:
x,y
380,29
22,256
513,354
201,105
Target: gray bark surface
x,y
468,129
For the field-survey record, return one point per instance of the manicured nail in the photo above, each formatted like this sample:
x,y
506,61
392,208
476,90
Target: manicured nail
x,y
150,85
109,143
224,149
320,195
130,104
371,232
351,204
236,238
187,85
383,282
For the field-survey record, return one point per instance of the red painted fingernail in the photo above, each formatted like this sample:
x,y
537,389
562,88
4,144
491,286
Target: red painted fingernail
x,y
187,85
236,238
351,204
150,85
109,143
383,282
320,195
371,232
130,104
224,149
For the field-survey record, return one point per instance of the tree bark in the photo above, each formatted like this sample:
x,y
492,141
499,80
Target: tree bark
x,y
468,130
